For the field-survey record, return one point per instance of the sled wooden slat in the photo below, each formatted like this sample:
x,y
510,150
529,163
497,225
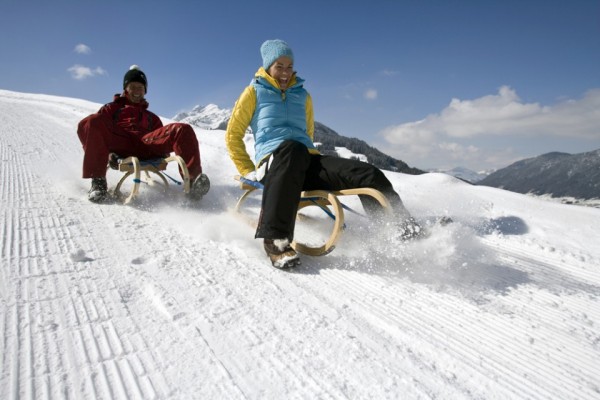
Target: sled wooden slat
x,y
324,199
133,166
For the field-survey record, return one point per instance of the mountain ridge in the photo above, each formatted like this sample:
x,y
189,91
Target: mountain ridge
x,y
556,173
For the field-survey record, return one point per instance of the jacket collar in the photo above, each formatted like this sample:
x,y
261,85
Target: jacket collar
x,y
263,77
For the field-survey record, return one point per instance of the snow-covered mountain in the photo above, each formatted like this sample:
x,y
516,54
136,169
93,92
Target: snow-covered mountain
x,y
464,173
205,117
163,299
555,174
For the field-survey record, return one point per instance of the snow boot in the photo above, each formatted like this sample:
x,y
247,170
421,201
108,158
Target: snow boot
x,y
200,187
443,221
410,230
281,253
99,190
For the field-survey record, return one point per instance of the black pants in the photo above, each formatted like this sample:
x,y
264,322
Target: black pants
x,y
293,169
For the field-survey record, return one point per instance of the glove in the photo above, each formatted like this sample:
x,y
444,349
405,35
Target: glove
x,y
251,176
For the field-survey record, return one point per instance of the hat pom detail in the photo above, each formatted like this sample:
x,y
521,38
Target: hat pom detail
x,y
135,74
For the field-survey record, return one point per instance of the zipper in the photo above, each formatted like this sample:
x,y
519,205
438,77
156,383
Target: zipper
x,y
285,105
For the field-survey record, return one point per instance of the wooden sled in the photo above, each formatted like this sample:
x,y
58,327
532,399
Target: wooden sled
x,y
328,201
133,166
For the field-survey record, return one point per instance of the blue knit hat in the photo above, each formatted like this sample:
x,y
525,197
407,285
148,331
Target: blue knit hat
x,y
271,50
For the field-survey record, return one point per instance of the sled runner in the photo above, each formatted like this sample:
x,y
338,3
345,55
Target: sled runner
x,y
134,166
325,200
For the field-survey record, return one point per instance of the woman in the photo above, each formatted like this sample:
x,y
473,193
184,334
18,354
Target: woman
x,y
279,110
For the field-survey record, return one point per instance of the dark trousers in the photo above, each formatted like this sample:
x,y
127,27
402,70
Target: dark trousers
x,y
99,139
293,169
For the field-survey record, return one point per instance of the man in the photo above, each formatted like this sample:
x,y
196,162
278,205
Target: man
x,y
126,127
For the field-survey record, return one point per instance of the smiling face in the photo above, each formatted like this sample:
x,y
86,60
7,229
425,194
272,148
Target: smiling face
x,y
282,70
135,91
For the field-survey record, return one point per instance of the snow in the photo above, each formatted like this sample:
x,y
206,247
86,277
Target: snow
x,y
164,299
465,173
346,153
205,117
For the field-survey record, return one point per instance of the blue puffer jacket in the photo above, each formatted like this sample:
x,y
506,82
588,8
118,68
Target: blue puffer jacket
x,y
274,116
278,116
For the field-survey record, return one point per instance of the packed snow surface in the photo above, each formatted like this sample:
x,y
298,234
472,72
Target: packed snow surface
x,y
164,299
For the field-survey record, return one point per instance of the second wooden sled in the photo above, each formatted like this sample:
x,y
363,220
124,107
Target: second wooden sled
x,y
134,166
328,201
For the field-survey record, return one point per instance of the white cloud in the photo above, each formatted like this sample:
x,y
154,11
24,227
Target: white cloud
x,y
389,72
448,136
429,151
505,113
80,72
370,94
82,49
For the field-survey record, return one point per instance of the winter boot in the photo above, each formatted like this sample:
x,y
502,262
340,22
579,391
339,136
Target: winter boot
x,y
200,187
99,190
443,221
281,253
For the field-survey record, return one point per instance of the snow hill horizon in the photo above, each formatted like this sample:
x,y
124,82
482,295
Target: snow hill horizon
x,y
164,299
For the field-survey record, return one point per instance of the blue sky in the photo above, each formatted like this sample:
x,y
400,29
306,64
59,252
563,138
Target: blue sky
x,y
438,84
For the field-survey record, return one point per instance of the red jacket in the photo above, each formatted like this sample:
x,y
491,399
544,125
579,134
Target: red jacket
x,y
130,118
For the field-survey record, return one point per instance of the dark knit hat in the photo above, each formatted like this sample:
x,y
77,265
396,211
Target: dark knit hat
x,y
271,50
135,74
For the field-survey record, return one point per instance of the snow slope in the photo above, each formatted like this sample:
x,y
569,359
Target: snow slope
x,y
167,300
